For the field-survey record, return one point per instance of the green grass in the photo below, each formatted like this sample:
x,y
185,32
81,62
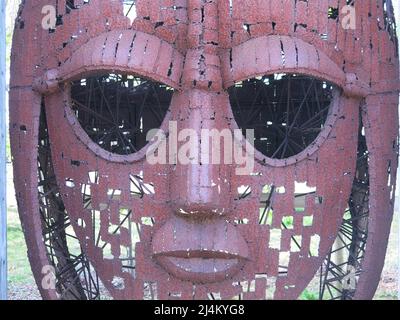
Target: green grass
x,y
19,270
386,296
309,295
9,36
8,149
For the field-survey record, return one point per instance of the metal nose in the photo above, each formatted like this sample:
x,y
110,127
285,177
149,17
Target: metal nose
x,y
202,187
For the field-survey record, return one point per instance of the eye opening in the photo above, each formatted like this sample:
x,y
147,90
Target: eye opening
x,y
117,110
291,114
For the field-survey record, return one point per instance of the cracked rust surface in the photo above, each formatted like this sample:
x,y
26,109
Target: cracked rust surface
x,y
322,100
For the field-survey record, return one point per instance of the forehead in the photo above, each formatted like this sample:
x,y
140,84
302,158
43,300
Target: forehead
x,y
354,36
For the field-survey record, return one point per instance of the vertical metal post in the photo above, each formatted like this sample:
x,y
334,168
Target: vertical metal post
x,y
3,180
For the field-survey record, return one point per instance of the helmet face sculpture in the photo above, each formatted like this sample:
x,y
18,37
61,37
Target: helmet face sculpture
x,y
320,96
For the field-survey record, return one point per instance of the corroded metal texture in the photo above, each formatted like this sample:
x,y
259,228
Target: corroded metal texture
x,y
320,94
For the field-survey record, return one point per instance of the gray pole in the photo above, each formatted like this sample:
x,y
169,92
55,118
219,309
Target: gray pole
x,y
3,181
396,7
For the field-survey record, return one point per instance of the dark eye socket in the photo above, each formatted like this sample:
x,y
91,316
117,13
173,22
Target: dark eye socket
x,y
117,111
286,111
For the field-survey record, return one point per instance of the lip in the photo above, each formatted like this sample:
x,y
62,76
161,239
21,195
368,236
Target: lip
x,y
203,251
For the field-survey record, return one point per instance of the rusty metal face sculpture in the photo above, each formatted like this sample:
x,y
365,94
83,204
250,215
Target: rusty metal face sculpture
x,y
320,96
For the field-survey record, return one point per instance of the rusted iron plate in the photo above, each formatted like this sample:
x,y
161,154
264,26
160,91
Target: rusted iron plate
x,y
200,230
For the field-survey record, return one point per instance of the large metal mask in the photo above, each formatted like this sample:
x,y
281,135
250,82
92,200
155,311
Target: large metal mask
x,y
313,87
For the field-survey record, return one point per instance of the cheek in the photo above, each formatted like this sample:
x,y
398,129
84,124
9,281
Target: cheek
x,y
293,213
336,160
112,206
